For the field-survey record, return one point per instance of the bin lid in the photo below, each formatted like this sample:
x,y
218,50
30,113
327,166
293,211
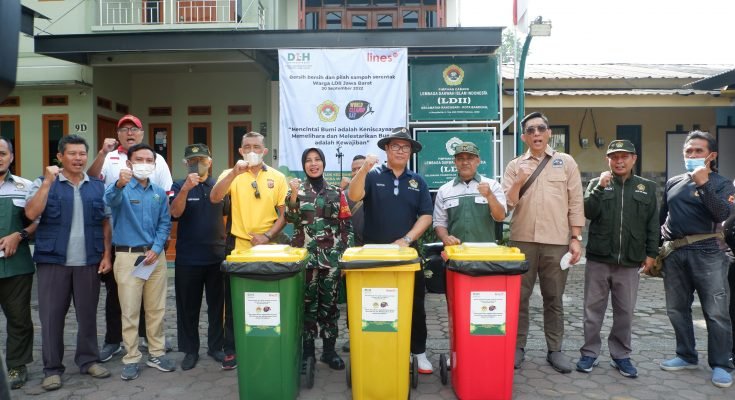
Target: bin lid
x,y
277,253
379,252
483,252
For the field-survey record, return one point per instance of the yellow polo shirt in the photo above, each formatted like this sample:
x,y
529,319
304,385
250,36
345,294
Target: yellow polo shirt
x,y
251,214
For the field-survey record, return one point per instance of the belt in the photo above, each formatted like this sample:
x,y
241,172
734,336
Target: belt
x,y
128,249
689,239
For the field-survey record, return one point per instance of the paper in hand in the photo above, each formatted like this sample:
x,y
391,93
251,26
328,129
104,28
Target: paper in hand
x,y
143,271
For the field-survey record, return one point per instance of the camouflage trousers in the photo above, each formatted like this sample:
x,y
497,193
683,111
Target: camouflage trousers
x,y
320,303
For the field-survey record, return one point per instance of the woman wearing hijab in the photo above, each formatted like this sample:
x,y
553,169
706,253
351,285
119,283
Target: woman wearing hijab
x,y
313,206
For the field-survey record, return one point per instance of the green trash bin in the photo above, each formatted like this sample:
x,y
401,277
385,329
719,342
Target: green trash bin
x,y
267,289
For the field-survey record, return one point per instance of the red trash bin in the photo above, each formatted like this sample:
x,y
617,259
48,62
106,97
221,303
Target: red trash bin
x,y
483,296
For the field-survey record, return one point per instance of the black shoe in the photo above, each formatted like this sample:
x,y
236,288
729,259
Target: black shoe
x,y
333,360
190,361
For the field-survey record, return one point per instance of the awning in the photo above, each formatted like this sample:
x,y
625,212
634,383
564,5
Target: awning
x,y
264,44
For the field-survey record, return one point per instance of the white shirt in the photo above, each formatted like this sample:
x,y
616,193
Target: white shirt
x,y
115,161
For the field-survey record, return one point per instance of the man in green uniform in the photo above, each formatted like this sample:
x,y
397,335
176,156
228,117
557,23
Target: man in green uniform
x,y
16,268
466,206
623,237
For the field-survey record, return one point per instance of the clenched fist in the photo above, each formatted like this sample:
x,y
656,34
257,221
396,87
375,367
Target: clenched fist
x,y
370,161
51,172
294,183
191,181
124,179
524,170
109,145
240,167
605,179
484,189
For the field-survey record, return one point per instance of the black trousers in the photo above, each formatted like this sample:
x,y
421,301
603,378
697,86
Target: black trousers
x,y
15,300
113,314
418,320
58,285
191,281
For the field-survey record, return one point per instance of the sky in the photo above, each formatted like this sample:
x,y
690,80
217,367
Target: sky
x,y
620,31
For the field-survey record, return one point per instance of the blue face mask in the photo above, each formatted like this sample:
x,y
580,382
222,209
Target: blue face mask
x,y
692,163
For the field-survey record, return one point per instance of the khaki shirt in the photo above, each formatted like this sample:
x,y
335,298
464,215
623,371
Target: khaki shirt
x,y
552,204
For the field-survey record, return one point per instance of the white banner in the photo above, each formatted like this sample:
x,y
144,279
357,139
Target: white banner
x,y
348,98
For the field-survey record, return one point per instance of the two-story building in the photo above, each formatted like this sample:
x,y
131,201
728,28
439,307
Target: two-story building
x,y
207,71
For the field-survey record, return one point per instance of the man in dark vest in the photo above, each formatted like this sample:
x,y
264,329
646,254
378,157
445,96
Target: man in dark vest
x,y
73,246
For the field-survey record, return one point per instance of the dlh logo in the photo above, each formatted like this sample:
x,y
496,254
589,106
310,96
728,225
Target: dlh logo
x,y
298,57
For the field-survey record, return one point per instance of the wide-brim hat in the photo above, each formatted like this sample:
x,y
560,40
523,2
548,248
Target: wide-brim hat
x,y
400,133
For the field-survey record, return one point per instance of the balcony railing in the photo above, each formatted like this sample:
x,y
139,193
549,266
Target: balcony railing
x,y
180,12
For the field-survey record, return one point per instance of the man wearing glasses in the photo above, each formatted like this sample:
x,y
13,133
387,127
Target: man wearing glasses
x,y
547,221
258,194
107,165
398,210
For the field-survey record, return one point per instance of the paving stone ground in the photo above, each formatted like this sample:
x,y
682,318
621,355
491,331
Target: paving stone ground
x,y
653,341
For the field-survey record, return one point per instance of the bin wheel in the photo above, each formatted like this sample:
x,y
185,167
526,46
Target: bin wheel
x,y
443,369
348,376
414,372
310,372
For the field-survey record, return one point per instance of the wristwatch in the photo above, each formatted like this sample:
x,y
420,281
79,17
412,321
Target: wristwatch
x,y
23,234
407,239
578,237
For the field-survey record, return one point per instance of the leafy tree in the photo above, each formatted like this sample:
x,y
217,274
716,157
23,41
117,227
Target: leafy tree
x,y
510,46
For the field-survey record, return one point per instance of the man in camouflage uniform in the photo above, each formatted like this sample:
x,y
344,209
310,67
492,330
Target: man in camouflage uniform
x,y
314,208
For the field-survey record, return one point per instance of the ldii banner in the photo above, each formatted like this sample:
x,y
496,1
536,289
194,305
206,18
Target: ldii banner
x,y
342,98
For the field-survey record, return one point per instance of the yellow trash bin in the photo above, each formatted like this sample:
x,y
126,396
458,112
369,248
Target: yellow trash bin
x,y
380,281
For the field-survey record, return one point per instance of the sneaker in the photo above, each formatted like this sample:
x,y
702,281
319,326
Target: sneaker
x,y
587,363
109,350
557,361
625,367
97,371
520,356
189,361
161,363
425,366
51,382
721,378
17,377
130,372
218,355
676,364
229,363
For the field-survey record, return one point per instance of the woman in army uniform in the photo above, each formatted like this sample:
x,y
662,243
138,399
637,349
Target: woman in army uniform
x,y
313,206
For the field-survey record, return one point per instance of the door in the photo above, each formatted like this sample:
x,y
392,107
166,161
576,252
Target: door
x,y
106,128
159,137
632,133
236,131
726,148
200,132
54,127
10,131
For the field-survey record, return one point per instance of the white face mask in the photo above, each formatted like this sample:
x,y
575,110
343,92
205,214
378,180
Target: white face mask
x,y
253,158
143,171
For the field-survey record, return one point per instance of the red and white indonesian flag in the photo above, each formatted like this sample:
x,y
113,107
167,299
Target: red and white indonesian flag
x,y
520,15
